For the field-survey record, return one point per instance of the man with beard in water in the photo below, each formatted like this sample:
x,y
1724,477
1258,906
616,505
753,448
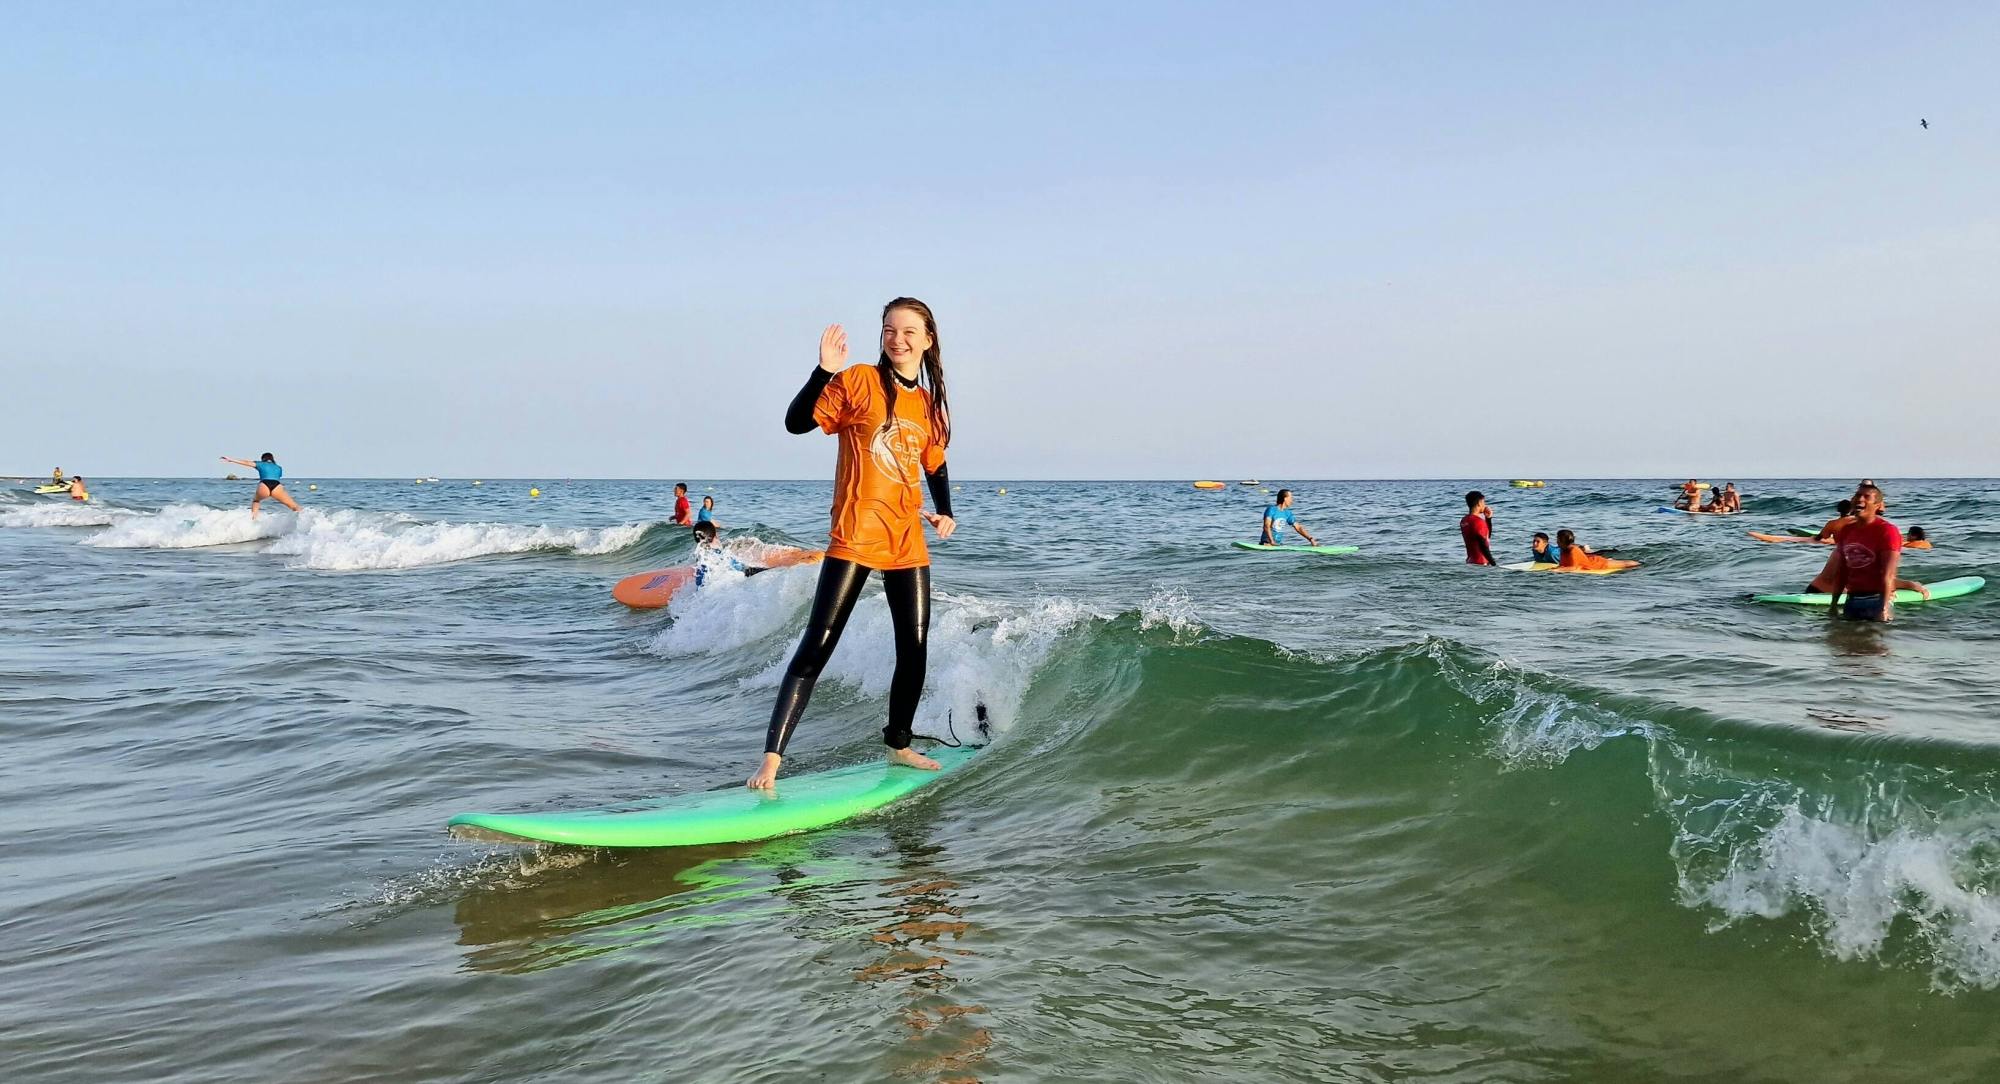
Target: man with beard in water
x,y
1866,555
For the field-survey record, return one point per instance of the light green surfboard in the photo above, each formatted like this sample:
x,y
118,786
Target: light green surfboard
x,y
1295,549
1943,589
801,803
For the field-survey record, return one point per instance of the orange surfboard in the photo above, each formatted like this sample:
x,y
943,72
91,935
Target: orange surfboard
x,y
655,589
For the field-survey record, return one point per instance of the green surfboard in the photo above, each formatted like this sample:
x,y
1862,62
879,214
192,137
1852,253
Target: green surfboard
x,y
1943,589
1295,549
800,803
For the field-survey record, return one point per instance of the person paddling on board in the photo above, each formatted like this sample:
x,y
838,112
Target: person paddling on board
x,y
894,424
1476,528
682,517
1690,496
268,484
1577,557
1545,553
1277,517
1865,559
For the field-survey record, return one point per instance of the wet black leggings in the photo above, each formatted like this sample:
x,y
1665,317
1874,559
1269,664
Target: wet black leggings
x,y
840,583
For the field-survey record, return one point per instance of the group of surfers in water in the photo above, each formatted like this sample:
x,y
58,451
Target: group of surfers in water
x,y
1720,502
1566,554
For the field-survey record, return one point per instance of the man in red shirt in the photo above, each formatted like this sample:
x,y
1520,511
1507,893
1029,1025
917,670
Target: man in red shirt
x,y
683,516
1477,530
1866,554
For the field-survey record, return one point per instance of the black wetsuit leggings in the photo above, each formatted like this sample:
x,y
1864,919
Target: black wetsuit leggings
x,y
840,583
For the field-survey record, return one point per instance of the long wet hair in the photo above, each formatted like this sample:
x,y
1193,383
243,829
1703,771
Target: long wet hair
x,y
932,377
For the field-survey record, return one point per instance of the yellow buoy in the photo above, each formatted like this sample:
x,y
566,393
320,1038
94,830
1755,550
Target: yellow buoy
x,y
313,486
479,483
1003,489
534,493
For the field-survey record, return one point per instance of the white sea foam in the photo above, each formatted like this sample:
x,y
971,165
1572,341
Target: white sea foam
x,y
188,526
981,652
67,514
1171,608
348,541
1855,887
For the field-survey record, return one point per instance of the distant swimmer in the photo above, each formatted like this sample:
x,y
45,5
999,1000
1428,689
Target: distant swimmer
x,y
1577,557
681,516
707,513
1865,559
894,424
1278,516
1690,498
1916,539
1476,528
1545,553
268,483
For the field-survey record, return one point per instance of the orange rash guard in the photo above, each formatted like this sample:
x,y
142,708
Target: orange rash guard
x,y
878,485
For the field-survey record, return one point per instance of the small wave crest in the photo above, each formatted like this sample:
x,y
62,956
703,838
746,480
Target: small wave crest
x,y
70,514
350,541
189,526
981,652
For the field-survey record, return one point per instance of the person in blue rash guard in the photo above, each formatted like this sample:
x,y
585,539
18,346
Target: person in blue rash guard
x,y
269,485
1279,516
1545,552
706,513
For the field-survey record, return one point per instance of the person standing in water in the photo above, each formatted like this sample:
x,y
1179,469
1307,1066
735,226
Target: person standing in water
x,y
1279,516
707,513
77,490
1865,559
894,424
1476,528
269,485
681,516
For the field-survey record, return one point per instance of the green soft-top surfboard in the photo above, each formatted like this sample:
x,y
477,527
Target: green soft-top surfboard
x,y
1295,549
738,814
1943,589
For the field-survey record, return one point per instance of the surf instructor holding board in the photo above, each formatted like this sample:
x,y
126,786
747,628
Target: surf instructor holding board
x,y
894,425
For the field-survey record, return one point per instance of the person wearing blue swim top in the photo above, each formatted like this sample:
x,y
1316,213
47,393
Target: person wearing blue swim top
x,y
1545,551
707,512
708,555
1279,516
269,485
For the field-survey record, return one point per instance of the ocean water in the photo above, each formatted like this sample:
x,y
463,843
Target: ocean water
x,y
1379,817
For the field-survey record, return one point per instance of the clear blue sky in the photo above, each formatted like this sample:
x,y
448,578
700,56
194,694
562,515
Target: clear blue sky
x,y
1163,240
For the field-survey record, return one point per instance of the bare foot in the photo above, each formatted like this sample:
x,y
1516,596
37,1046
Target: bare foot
x,y
766,776
910,758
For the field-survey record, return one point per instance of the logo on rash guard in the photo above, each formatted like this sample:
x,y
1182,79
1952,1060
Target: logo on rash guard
x,y
898,448
1858,557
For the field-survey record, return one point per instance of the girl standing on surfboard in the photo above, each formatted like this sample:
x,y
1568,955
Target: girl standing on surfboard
x,y
268,484
893,424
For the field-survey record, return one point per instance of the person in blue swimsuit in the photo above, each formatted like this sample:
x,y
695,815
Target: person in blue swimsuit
x,y
1545,552
707,512
1279,516
269,485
